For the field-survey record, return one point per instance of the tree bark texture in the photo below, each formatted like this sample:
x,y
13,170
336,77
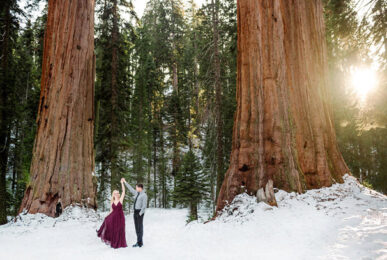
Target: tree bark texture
x,y
283,134
63,159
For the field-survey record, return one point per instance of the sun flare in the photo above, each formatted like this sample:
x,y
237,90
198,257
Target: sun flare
x,y
363,80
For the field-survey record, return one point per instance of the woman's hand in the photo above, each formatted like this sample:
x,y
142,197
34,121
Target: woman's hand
x,y
123,191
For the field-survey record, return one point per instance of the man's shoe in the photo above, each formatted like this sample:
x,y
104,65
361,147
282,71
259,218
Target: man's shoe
x,y
140,245
136,245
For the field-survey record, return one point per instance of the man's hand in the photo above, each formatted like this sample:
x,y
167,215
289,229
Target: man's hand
x,y
123,180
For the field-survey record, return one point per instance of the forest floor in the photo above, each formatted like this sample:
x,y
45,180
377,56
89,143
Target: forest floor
x,y
345,221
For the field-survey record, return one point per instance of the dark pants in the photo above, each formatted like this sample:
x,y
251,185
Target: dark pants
x,y
138,225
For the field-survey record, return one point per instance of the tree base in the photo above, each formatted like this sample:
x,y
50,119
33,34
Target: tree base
x,y
267,195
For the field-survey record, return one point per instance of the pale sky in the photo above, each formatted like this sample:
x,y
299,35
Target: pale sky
x,y
139,5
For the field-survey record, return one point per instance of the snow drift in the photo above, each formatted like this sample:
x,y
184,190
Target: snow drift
x,y
345,221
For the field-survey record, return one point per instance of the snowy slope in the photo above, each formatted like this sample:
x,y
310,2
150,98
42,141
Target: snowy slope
x,y
345,221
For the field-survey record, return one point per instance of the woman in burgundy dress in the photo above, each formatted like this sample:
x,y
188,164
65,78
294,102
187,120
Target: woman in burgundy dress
x,y
112,231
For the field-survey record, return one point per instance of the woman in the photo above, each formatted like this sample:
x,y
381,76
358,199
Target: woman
x,y
112,231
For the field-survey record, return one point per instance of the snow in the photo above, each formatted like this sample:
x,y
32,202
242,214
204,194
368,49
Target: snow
x,y
345,221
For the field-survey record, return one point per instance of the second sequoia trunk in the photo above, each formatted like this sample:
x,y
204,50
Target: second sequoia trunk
x,y
283,132
63,161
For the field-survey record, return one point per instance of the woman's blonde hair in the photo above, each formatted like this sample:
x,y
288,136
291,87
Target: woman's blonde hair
x,y
111,201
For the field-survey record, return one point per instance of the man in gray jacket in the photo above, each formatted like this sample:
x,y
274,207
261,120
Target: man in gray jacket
x,y
140,201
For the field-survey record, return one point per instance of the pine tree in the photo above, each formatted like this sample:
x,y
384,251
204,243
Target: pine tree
x,y
226,23
163,22
114,83
9,26
26,96
191,184
141,120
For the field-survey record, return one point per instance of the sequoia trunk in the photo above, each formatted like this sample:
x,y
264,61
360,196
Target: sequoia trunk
x,y
63,160
283,132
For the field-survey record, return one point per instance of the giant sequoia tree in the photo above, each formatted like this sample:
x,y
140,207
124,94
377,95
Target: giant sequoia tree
x,y
63,160
283,134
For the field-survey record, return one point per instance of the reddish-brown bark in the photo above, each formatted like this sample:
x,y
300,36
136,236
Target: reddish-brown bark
x,y
283,131
63,159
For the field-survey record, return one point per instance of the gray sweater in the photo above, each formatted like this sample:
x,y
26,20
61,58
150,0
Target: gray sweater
x,y
141,200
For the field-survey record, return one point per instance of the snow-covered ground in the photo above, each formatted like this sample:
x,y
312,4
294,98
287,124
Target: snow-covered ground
x,y
345,221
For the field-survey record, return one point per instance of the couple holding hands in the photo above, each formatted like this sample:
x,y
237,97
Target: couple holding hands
x,y
112,230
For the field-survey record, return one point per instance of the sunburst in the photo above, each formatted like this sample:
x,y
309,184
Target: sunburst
x,y
364,80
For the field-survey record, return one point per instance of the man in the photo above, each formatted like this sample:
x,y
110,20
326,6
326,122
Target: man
x,y
140,201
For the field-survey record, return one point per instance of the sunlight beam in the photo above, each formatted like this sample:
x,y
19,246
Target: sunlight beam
x,y
363,80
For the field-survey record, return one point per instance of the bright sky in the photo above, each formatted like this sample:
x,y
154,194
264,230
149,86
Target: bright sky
x,y
139,5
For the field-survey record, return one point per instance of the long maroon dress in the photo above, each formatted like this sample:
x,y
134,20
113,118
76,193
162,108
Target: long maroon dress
x,y
112,230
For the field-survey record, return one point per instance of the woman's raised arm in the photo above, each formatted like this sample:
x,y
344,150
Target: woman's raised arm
x,y
123,192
